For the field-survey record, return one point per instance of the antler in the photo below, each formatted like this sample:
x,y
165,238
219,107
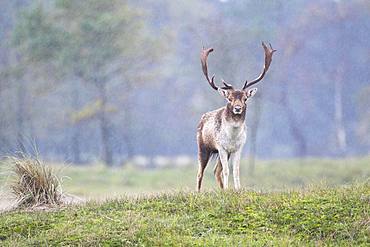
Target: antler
x,y
203,60
268,58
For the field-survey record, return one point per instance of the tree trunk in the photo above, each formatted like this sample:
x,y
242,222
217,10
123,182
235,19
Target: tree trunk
x,y
105,127
75,144
128,131
76,129
105,132
127,120
294,128
340,133
20,116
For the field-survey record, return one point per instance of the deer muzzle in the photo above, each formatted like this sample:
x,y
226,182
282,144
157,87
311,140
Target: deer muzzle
x,y
237,109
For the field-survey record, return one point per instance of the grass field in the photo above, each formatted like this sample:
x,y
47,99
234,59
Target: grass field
x,y
99,182
330,216
310,202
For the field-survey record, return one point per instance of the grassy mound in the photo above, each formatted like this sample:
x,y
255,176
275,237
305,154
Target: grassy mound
x,y
329,216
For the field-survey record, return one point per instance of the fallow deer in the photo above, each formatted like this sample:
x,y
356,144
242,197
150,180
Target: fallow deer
x,y
222,132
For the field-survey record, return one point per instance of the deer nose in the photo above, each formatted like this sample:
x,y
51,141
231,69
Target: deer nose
x,y
237,108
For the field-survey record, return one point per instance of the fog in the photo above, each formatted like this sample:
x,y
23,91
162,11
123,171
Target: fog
x,y
86,81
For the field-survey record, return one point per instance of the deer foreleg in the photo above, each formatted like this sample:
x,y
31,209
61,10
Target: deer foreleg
x,y
235,162
225,167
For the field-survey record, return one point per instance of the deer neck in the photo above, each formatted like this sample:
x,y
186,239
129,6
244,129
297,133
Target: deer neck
x,y
232,133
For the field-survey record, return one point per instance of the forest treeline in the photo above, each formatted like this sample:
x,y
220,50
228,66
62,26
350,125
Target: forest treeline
x,y
108,80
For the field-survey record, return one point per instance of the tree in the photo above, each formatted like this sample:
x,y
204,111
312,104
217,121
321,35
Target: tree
x,y
100,43
31,35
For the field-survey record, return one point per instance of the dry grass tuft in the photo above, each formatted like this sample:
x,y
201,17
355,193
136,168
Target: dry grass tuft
x,y
33,183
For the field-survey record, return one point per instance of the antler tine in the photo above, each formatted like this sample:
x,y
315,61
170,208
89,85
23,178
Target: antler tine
x,y
226,85
269,51
203,59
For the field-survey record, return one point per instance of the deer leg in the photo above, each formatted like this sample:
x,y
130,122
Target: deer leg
x,y
203,157
235,162
225,167
217,171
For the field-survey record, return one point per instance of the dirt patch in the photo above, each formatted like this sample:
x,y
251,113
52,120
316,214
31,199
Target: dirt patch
x,y
6,203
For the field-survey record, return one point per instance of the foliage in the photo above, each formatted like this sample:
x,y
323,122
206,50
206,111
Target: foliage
x,y
102,34
36,37
318,216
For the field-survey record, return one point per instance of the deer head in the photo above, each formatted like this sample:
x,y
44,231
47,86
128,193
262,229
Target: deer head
x,y
237,99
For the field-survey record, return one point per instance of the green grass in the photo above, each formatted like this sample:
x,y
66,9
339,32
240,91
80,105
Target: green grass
x,y
287,202
97,181
318,216
101,182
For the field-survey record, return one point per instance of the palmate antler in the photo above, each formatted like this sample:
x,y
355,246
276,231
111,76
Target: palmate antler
x,y
269,51
203,59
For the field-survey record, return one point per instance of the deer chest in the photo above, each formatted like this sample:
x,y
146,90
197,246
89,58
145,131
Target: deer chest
x,y
232,138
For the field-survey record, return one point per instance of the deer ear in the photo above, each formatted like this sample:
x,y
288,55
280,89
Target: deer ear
x,y
251,92
223,92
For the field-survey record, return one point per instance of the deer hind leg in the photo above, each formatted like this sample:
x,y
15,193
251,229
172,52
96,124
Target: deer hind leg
x,y
203,157
218,173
